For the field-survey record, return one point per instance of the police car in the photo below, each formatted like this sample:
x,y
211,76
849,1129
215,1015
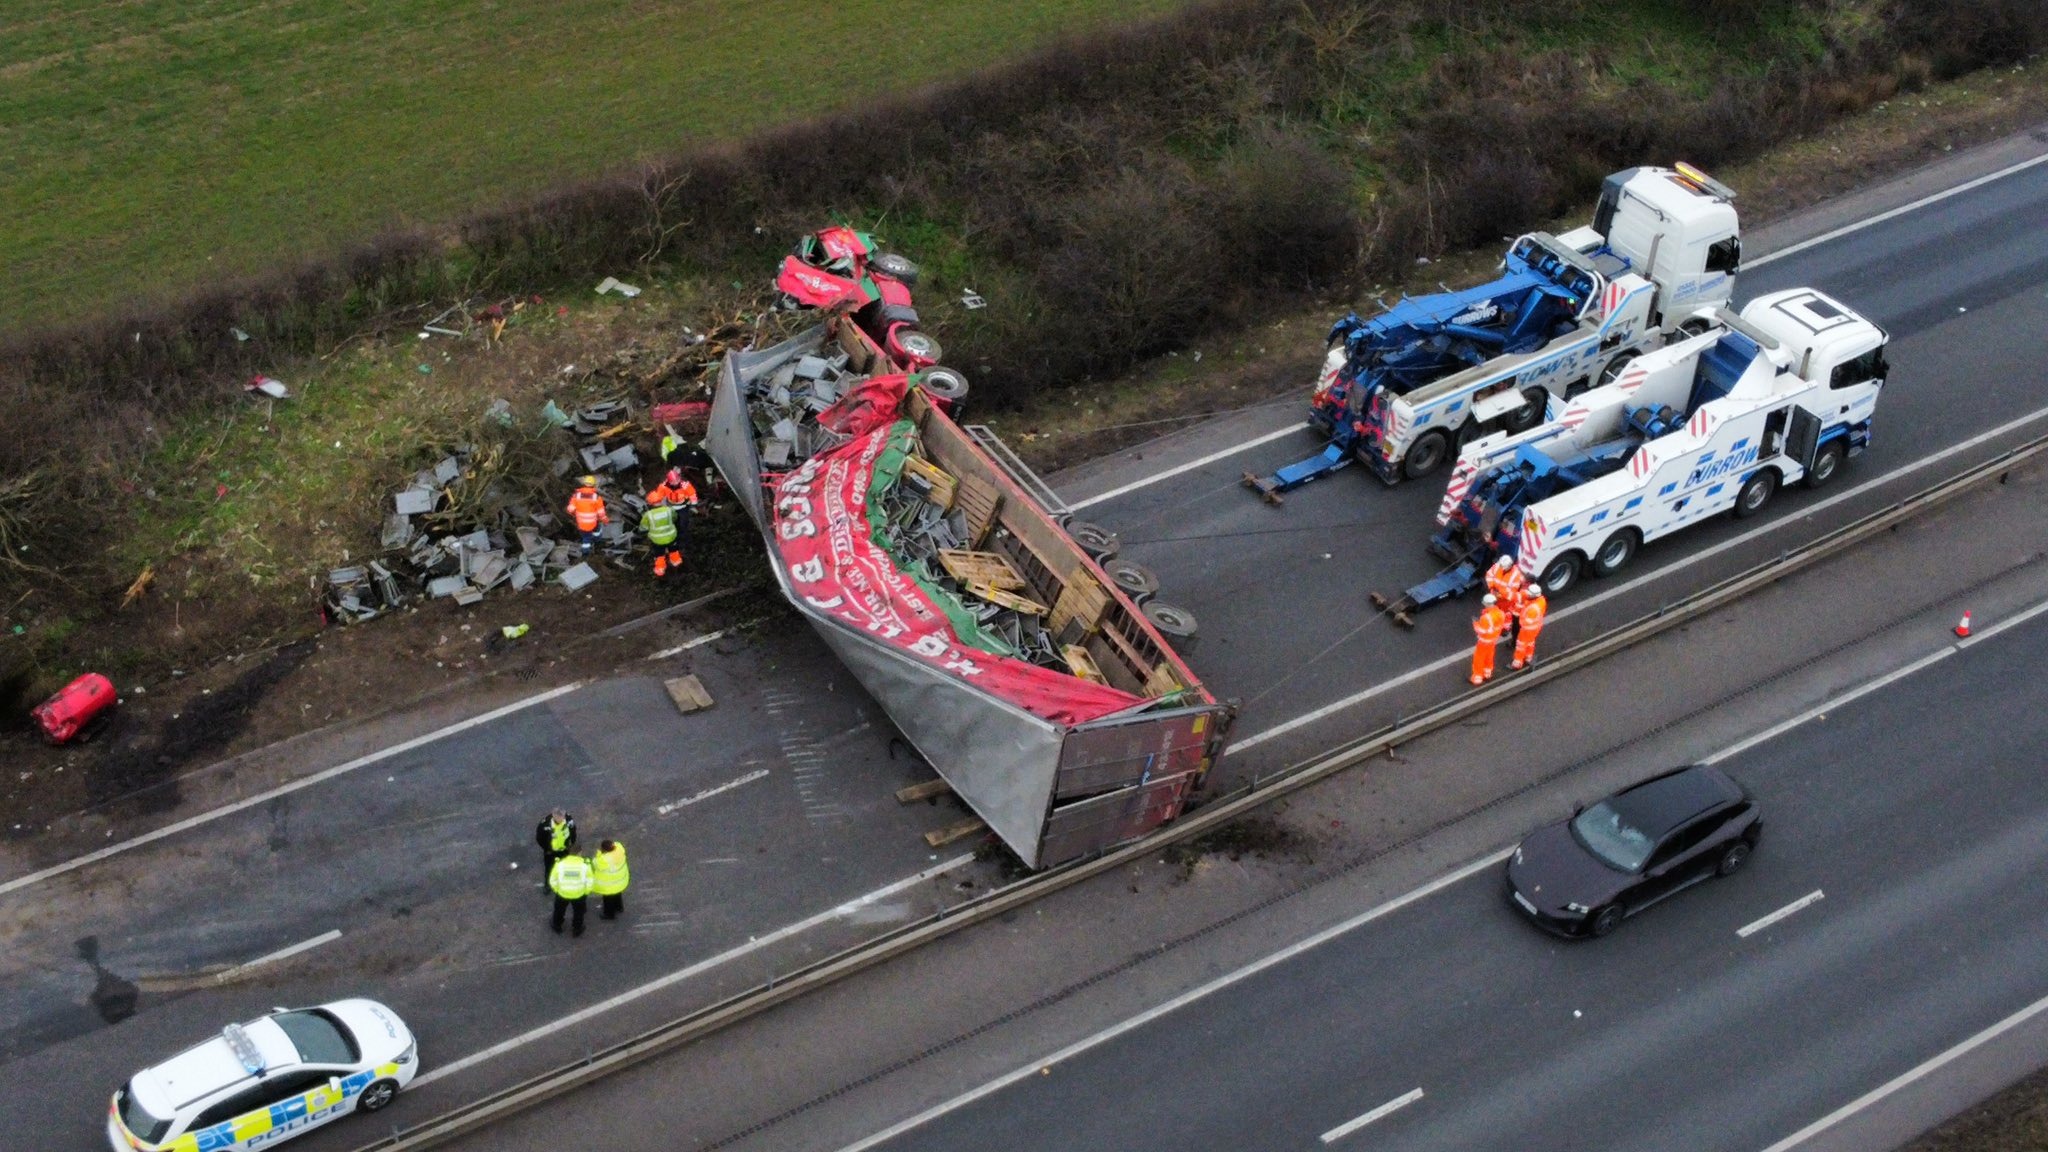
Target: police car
x,y
265,1081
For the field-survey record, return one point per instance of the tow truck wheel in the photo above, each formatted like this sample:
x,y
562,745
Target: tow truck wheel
x,y
1426,455
1756,493
1616,552
1529,414
1825,465
1562,573
1615,368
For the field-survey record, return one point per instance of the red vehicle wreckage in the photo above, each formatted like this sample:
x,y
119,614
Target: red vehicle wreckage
x,y
1014,664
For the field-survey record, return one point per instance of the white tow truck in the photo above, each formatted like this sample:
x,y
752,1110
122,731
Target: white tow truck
x,y
1715,422
1407,388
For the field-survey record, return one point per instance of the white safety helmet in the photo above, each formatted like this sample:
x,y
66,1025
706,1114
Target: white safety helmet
x,y
1488,600
1535,589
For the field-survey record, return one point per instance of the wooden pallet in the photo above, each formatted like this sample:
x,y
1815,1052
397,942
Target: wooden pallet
x,y
1082,664
980,501
1082,600
991,569
688,693
1008,600
939,483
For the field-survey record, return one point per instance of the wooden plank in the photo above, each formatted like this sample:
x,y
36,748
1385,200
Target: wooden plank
x,y
688,693
924,791
990,568
940,837
940,484
1162,681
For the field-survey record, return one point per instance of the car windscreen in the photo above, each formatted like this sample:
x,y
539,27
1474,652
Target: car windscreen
x,y
320,1038
146,1128
1609,835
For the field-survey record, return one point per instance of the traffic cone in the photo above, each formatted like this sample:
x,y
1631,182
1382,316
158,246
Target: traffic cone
x,y
1963,626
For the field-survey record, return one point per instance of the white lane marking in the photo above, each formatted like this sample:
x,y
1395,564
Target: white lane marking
x,y
319,777
1857,693
1190,466
1908,1077
1804,512
328,936
1038,1067
681,974
1391,1106
1804,902
1754,262
685,646
708,793
1924,201
2002,625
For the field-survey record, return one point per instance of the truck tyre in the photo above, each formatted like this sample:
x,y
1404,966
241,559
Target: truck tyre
x,y
1694,326
943,384
914,344
1098,542
1426,455
1756,493
1136,580
1529,414
1172,621
1825,465
896,267
1615,367
1615,552
1562,573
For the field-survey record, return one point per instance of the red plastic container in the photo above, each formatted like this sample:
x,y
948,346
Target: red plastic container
x,y
74,706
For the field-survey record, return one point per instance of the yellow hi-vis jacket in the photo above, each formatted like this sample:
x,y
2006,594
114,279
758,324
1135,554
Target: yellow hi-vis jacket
x,y
610,868
570,878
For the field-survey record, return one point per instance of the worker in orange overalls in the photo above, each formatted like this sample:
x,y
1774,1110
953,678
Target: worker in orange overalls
x,y
587,508
681,496
1491,627
1504,581
1529,624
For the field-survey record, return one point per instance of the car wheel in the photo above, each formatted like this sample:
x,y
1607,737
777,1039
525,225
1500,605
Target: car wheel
x,y
377,1095
1562,573
1606,920
1825,465
1755,493
1615,552
1426,455
1732,858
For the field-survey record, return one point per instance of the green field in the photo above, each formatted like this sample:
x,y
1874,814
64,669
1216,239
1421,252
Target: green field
x,y
147,147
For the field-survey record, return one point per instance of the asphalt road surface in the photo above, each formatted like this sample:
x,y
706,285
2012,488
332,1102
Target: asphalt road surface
x,y
1917,812
408,859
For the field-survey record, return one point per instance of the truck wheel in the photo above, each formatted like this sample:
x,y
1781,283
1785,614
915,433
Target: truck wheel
x,y
943,384
1695,326
896,267
1616,552
1615,368
1825,465
1173,621
1755,493
1098,542
1136,580
914,344
1562,573
1426,455
1529,414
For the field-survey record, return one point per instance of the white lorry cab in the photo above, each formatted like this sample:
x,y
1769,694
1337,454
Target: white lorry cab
x,y
1714,422
1406,389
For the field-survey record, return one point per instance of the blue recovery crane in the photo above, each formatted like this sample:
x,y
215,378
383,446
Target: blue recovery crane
x,y
1423,339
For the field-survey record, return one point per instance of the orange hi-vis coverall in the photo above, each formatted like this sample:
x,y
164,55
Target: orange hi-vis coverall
x,y
1528,624
1491,627
1506,582
587,508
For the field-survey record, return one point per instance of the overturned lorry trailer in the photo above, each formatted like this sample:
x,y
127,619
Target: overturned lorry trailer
x,y
1086,732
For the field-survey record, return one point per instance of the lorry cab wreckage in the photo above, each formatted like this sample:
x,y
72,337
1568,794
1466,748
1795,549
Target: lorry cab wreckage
x,y
1407,388
1033,684
1716,422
